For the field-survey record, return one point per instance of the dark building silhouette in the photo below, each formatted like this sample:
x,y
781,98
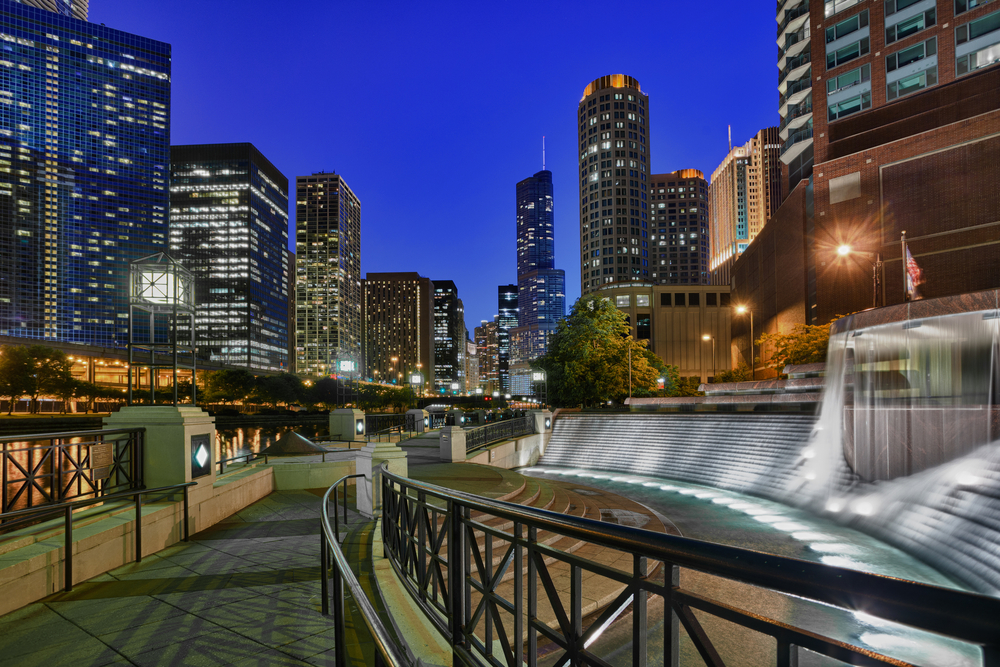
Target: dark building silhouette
x,y
678,237
449,338
507,320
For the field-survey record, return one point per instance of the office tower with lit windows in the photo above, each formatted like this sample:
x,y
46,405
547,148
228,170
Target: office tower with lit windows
x,y
74,8
399,327
744,192
486,350
328,295
795,80
229,227
613,132
85,142
507,321
449,338
679,216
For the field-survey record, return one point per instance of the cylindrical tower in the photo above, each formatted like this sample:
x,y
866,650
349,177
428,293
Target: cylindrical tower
x,y
613,122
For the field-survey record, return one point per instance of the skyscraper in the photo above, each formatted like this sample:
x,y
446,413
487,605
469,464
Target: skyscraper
x,y
229,226
795,104
506,322
328,273
75,8
541,288
449,337
399,327
613,128
745,191
86,141
486,349
679,226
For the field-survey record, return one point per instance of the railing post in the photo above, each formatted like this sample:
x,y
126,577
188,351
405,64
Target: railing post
x,y
455,578
68,558
339,649
186,515
336,517
324,572
671,579
533,596
639,574
518,591
138,528
421,540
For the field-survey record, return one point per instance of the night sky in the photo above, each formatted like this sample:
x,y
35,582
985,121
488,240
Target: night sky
x,y
432,112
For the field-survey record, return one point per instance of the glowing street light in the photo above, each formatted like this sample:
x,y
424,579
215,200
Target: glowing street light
x,y
846,250
743,310
706,338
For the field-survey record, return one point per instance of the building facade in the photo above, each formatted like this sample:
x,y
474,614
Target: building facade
x,y
507,321
399,327
905,137
486,349
449,338
541,288
679,238
328,274
688,327
795,81
290,282
613,131
74,8
85,150
471,367
744,193
229,227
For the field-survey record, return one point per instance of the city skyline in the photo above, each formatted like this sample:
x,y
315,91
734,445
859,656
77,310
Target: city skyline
x,y
209,107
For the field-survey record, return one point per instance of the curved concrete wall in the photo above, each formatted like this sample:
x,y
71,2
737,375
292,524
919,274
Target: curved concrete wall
x,y
948,516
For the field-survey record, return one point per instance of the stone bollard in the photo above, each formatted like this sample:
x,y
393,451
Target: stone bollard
x,y
452,444
347,424
368,462
418,421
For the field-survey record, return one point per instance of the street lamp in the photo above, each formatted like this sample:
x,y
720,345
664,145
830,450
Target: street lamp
x,y
417,381
706,338
743,310
540,376
876,265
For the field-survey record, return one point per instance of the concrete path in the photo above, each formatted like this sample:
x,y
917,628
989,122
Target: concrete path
x,y
244,592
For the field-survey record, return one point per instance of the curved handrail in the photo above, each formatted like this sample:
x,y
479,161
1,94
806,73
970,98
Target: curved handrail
x,y
385,647
966,616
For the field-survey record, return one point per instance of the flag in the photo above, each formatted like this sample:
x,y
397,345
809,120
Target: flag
x,y
914,276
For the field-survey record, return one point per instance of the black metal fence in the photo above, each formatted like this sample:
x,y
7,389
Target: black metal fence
x,y
438,419
486,573
376,423
46,469
508,429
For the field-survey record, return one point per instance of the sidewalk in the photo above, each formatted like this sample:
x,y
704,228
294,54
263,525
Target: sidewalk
x,y
244,592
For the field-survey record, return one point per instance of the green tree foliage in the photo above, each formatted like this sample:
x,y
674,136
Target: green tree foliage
x,y
35,371
804,344
228,386
590,355
16,374
739,374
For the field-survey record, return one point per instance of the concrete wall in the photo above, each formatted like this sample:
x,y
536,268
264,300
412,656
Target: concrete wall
x,y
512,454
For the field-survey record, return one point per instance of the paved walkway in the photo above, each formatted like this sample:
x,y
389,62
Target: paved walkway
x,y
244,592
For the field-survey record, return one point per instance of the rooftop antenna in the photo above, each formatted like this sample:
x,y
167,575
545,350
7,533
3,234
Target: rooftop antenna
x,y
730,138
543,152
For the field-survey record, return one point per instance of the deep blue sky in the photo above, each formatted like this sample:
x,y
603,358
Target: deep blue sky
x,y
433,111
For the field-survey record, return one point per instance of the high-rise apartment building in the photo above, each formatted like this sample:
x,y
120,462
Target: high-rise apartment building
x,y
904,121
679,238
328,273
795,80
229,227
290,280
486,349
85,138
399,327
74,8
471,366
613,131
507,321
449,338
744,192
541,288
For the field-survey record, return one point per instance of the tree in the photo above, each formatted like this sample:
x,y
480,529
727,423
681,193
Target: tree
x,y
229,386
590,355
739,374
804,344
17,377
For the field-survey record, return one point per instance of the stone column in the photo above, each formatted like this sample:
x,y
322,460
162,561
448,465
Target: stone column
x,y
452,444
543,426
368,462
457,416
347,424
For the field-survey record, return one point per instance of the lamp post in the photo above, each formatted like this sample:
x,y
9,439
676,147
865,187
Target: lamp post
x,y
706,338
876,265
541,376
416,381
162,288
742,310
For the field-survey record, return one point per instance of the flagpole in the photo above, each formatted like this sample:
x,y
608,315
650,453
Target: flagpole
x,y
906,292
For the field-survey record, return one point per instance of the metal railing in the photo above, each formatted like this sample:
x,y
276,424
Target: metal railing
x,y
437,419
452,551
387,653
246,458
67,509
506,429
102,462
375,423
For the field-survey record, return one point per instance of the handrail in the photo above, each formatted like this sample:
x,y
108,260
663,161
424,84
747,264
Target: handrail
x,y
386,650
67,434
965,616
68,508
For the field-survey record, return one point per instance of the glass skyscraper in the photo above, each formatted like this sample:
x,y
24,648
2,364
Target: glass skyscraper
x,y
449,338
541,288
75,8
506,323
229,226
84,155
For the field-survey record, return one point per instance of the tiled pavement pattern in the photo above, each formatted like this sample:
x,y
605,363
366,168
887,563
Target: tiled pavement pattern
x,y
244,592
